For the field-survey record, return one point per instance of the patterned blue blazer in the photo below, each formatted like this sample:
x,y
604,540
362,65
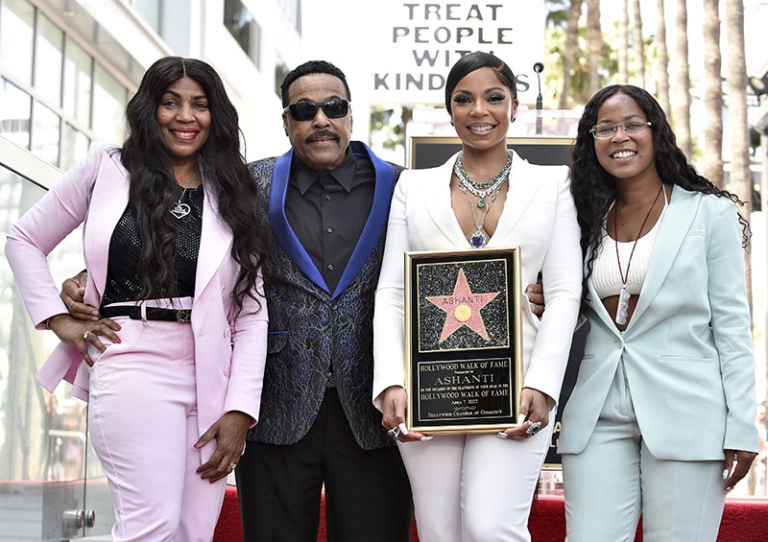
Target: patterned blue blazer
x,y
309,325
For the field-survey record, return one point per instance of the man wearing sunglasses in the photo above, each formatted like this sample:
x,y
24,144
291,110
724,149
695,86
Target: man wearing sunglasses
x,y
327,201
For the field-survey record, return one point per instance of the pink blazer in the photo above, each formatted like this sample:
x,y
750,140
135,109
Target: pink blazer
x,y
230,350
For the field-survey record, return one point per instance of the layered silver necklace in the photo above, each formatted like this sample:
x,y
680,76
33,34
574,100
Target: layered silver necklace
x,y
179,209
487,193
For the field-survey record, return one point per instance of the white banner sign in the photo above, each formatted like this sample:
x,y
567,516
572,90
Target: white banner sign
x,y
417,43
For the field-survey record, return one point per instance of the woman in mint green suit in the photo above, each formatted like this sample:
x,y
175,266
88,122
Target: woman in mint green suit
x,y
660,419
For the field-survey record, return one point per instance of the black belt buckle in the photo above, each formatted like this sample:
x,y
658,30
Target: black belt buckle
x,y
184,316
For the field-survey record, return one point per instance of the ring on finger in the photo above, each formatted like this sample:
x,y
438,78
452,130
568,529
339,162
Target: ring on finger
x,y
394,432
232,466
533,428
87,336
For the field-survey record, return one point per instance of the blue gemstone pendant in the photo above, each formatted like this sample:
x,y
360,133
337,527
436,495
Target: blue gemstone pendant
x,y
477,240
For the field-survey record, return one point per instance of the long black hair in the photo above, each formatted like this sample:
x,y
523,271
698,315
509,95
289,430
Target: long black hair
x,y
594,189
153,185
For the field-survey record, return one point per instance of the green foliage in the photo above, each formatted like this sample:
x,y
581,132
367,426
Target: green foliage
x,y
390,131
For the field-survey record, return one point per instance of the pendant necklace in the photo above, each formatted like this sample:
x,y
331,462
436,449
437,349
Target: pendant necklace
x,y
489,190
180,210
481,190
623,308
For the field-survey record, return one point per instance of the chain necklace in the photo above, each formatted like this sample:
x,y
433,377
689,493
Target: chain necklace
x,y
478,239
481,190
622,309
180,210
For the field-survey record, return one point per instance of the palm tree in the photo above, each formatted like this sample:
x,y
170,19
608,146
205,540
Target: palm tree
x,y
594,44
682,103
662,59
713,95
638,45
571,46
741,177
623,74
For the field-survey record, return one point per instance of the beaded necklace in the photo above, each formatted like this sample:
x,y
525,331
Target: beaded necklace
x,y
481,190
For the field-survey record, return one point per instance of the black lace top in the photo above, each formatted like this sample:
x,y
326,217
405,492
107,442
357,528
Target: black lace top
x,y
124,247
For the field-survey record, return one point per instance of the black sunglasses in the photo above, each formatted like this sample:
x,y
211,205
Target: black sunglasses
x,y
333,109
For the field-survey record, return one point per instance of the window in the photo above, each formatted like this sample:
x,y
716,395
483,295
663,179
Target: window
x,y
109,101
149,11
292,9
74,145
78,66
54,97
45,134
48,60
15,113
17,23
244,29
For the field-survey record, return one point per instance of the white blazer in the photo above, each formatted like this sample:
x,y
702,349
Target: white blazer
x,y
538,216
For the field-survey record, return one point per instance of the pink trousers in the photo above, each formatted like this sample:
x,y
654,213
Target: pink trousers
x,y
142,417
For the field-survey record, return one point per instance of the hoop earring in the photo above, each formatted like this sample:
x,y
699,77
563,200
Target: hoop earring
x,y
452,123
513,119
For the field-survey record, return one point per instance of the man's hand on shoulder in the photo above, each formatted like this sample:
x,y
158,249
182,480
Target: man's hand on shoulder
x,y
72,294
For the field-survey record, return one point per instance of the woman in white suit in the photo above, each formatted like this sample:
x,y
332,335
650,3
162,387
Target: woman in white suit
x,y
174,362
661,417
479,486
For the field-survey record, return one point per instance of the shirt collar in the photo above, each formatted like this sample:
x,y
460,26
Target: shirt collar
x,y
304,177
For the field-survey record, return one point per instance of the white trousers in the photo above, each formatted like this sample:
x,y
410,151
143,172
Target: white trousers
x,y
475,487
142,418
616,478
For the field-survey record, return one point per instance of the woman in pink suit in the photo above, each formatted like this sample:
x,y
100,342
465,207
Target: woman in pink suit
x,y
174,362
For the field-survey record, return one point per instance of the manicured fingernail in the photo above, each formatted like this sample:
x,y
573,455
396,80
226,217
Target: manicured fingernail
x,y
728,490
532,306
118,327
403,428
425,439
725,474
501,434
117,340
520,419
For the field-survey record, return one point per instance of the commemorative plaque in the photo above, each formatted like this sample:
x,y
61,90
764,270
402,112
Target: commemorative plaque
x,y
463,340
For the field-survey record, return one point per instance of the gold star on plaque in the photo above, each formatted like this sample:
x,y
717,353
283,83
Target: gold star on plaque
x,y
462,308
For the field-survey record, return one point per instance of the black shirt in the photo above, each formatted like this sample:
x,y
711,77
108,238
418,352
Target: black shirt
x,y
328,211
125,246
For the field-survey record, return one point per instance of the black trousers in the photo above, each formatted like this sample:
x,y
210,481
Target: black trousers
x,y
367,493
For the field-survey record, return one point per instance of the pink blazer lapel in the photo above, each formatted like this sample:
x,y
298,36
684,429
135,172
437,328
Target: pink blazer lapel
x,y
109,199
215,242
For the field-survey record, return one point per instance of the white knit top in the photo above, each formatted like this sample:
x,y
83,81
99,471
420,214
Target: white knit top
x,y
605,273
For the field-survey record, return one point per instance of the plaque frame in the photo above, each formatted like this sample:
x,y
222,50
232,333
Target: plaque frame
x,y
461,355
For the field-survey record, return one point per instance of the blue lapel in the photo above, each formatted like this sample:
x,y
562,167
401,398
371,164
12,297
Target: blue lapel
x,y
369,238
279,222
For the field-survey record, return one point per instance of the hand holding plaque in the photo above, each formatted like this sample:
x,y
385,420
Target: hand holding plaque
x,y
463,340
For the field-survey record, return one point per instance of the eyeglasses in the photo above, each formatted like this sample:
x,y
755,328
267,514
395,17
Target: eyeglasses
x,y
630,128
333,109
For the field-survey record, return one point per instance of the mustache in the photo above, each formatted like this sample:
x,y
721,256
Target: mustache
x,y
320,134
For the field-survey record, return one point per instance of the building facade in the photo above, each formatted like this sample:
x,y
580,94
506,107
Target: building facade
x,y
67,70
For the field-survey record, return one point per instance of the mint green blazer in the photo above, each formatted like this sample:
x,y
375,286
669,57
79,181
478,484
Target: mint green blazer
x,y
687,350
